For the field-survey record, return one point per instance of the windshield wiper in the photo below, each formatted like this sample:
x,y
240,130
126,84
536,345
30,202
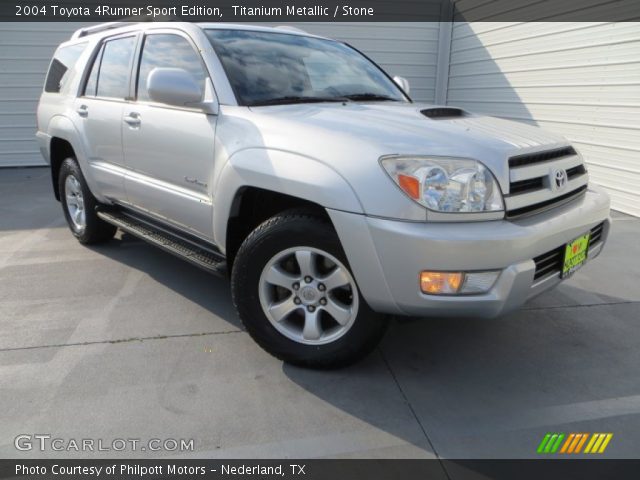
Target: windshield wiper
x,y
290,99
370,96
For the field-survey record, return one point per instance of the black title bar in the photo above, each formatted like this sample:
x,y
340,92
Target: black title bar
x,y
294,469
239,11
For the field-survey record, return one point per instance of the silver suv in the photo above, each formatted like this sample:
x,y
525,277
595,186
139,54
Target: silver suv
x,y
297,166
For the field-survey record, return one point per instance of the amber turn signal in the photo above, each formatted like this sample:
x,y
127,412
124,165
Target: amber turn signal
x,y
410,185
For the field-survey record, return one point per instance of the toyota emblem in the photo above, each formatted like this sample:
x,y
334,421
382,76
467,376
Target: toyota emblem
x,y
560,178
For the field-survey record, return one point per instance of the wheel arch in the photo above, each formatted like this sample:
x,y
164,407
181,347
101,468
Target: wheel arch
x,y
253,205
275,181
64,143
60,150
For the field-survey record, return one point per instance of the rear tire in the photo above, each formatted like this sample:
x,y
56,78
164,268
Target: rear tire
x,y
296,296
79,206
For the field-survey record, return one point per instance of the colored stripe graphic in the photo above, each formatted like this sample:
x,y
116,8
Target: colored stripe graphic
x,y
598,443
551,442
605,443
581,443
543,443
576,439
573,443
556,445
568,442
591,442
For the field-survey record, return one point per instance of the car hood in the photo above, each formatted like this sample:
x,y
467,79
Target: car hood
x,y
399,128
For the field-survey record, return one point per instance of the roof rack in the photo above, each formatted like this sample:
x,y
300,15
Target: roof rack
x,y
290,28
83,32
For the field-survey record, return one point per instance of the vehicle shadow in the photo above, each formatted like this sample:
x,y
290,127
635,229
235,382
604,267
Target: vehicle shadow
x,y
211,292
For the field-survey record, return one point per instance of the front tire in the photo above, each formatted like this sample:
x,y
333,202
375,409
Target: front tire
x,y
79,206
296,296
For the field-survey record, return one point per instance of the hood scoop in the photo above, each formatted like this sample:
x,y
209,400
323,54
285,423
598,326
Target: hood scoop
x,y
442,113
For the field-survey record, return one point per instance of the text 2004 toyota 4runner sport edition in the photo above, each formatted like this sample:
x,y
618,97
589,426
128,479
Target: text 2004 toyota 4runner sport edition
x,y
296,164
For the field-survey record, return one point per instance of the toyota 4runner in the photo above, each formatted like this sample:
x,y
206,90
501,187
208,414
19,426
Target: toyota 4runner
x,y
297,166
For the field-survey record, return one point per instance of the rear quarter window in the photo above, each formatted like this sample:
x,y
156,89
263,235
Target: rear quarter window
x,y
61,68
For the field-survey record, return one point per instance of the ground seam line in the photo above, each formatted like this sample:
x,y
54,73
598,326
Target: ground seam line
x,y
122,340
630,302
413,412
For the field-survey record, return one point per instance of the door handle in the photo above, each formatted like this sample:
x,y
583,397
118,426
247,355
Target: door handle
x,y
133,119
83,111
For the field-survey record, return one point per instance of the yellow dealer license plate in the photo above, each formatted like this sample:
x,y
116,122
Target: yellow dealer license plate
x,y
575,254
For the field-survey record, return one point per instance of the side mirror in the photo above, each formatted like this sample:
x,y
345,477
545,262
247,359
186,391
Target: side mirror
x,y
176,86
403,83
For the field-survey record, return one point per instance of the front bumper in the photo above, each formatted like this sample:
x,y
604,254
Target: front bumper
x,y
387,256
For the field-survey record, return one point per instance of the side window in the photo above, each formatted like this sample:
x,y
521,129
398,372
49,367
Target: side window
x,y
92,82
113,77
168,51
61,67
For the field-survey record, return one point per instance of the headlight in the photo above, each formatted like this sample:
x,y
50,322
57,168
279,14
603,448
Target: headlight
x,y
443,184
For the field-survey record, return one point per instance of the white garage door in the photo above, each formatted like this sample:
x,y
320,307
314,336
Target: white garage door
x,y
579,79
407,49
25,53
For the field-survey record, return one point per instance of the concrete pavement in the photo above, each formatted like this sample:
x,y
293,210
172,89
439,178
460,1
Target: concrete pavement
x,y
126,341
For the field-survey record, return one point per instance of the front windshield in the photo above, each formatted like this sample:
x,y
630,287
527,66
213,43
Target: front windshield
x,y
267,68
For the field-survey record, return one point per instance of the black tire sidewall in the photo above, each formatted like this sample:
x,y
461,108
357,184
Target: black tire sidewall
x,y
278,234
95,230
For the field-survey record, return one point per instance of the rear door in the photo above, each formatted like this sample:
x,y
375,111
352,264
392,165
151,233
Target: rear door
x,y
170,149
100,109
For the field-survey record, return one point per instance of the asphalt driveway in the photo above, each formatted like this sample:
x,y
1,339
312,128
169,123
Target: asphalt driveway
x,y
126,341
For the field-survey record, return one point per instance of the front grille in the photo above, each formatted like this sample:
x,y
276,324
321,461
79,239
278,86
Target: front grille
x,y
532,186
576,171
596,234
551,262
547,204
523,186
538,157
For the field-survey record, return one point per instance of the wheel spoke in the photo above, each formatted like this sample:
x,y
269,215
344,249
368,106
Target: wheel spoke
x,y
77,215
312,329
305,260
71,186
341,313
337,278
71,200
282,309
277,276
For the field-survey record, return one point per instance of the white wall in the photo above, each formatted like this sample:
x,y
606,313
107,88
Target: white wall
x,y
579,79
25,53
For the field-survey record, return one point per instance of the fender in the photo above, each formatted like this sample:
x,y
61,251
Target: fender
x,y
62,127
280,171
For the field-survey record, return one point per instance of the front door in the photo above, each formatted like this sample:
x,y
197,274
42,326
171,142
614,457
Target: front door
x,y
169,150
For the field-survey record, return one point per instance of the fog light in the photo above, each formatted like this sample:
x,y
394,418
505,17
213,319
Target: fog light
x,y
452,283
438,283
479,282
